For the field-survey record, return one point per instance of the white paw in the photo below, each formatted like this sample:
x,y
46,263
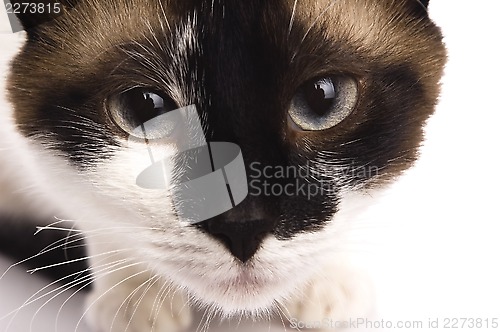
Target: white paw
x,y
336,295
135,306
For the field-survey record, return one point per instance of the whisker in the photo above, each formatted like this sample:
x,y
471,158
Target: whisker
x,y
61,290
151,281
33,298
48,250
292,19
124,227
239,321
106,292
199,327
114,264
73,261
161,297
210,313
165,19
152,33
280,307
59,221
61,243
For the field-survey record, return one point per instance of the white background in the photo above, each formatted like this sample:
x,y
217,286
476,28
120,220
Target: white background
x,y
435,237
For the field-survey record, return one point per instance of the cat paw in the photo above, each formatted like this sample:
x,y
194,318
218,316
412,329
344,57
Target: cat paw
x,y
138,307
330,299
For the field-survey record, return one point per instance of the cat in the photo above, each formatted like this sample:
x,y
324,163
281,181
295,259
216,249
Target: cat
x,y
325,100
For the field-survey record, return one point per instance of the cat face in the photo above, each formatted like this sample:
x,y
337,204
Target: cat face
x,y
324,100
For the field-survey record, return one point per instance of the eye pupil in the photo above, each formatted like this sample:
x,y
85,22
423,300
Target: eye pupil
x,y
135,107
154,101
320,95
149,101
145,106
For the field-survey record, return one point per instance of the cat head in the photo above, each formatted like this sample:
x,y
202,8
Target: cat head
x,y
324,99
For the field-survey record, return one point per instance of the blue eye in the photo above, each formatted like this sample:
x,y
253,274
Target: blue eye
x,y
135,107
324,102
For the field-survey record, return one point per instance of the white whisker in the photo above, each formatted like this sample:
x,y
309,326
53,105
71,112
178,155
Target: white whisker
x,y
292,19
127,300
158,303
86,281
74,260
106,292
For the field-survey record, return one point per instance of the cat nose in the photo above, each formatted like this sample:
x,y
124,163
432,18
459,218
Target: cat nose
x,y
242,238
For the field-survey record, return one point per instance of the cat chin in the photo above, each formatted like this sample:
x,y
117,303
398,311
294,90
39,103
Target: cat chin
x,y
247,299
277,273
241,295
